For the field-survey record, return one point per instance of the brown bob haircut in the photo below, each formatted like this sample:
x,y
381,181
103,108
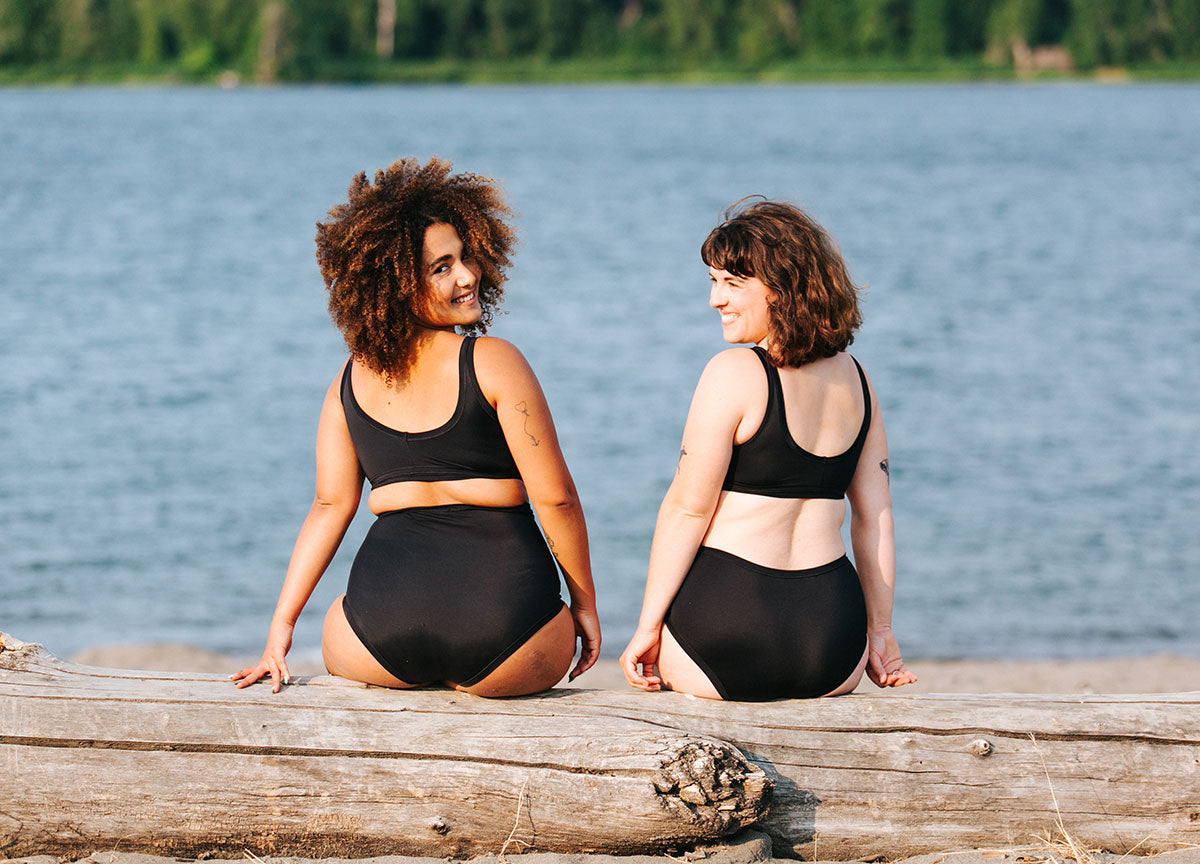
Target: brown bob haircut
x,y
812,306
370,254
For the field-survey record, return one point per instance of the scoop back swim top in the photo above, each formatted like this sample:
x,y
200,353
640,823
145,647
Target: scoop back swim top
x,y
771,463
469,444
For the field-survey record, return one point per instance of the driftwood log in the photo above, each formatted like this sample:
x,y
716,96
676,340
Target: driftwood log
x,y
95,758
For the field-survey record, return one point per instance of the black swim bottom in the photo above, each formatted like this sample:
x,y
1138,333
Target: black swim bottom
x,y
448,593
759,633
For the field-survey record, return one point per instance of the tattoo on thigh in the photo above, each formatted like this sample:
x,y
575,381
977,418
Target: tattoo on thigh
x,y
885,468
522,408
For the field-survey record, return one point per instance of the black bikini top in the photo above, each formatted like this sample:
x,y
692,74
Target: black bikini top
x,y
469,444
771,462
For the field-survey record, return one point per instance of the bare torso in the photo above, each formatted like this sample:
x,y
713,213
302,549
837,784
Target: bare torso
x,y
823,402
426,401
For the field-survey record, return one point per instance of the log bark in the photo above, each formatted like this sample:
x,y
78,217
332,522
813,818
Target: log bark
x,y
185,764
327,766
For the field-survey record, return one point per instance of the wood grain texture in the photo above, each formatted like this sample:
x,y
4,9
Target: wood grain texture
x,y
854,777
182,764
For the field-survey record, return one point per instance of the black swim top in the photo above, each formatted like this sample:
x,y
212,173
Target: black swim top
x,y
469,444
771,462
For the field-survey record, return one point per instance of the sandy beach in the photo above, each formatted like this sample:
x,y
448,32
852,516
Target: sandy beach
x,y
1159,673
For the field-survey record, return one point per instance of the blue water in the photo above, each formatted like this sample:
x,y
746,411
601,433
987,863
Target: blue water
x,y
1032,325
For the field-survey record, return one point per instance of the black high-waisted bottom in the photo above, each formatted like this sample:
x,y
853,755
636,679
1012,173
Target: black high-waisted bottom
x,y
448,593
759,633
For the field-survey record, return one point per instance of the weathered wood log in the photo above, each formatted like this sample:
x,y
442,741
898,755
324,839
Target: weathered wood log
x,y
855,777
183,764
889,776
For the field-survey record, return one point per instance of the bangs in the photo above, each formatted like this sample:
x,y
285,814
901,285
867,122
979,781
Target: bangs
x,y
731,247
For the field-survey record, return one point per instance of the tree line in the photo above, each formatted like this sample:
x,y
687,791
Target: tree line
x,y
326,39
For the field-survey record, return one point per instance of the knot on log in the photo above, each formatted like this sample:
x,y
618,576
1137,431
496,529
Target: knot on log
x,y
981,747
13,650
715,785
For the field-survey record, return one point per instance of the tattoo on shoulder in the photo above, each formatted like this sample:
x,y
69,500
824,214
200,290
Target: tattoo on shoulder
x,y
886,469
522,408
682,453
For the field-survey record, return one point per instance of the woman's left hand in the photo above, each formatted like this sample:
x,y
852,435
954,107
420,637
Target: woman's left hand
x,y
273,662
885,666
587,629
639,662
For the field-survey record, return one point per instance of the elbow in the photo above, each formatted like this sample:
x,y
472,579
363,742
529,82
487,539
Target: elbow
x,y
562,500
875,520
689,507
342,507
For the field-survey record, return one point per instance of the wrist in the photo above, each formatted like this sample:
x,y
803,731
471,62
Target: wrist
x,y
583,602
879,628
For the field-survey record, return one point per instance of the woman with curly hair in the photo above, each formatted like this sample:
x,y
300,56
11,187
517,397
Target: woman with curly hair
x,y
750,595
454,583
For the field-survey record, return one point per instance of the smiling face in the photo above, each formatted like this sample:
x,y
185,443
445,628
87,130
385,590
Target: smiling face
x,y
451,280
742,302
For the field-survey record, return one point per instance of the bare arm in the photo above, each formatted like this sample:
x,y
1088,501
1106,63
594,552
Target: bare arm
x,y
339,486
872,535
507,380
689,505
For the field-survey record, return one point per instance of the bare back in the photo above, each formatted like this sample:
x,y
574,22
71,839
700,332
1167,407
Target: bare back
x,y
824,409
424,402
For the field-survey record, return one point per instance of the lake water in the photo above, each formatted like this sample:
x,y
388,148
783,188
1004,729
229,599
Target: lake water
x,y
1032,325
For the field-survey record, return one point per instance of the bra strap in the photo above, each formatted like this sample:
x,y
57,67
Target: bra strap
x,y
774,387
862,377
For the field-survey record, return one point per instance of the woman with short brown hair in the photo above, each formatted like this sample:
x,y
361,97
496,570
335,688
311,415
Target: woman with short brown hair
x,y
750,595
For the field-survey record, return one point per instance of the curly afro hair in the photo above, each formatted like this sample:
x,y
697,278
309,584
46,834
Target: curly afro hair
x,y
813,312
370,252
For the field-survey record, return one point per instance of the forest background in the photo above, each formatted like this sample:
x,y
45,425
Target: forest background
x,y
268,41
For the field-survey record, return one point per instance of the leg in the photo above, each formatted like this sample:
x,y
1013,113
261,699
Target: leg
x,y
679,671
537,665
346,656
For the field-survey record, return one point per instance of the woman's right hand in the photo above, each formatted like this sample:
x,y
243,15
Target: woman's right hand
x,y
587,630
642,651
885,666
273,662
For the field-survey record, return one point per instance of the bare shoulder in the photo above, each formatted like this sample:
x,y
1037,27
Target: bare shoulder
x,y
731,370
500,365
334,391
734,362
854,364
493,351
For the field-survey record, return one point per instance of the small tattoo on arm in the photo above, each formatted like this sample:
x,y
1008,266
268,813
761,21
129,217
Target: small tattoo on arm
x,y
522,408
883,466
553,548
682,453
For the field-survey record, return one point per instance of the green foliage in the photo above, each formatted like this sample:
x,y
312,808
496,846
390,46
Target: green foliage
x,y
966,27
929,20
336,39
1012,21
881,28
1185,18
767,31
826,28
29,31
